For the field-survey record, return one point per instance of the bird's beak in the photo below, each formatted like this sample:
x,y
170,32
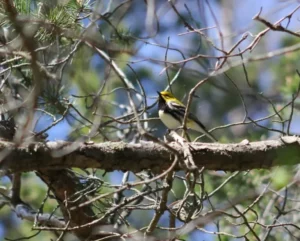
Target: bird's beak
x,y
158,93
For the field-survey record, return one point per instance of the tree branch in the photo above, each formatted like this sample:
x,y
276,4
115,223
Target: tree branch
x,y
111,156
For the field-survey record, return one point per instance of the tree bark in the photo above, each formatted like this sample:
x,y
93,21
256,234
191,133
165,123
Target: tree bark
x,y
111,156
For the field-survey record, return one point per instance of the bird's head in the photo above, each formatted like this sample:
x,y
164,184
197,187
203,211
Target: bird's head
x,y
165,95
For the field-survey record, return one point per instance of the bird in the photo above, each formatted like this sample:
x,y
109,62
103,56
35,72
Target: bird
x,y
171,112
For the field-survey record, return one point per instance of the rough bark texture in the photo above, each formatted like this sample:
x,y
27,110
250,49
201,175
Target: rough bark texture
x,y
148,155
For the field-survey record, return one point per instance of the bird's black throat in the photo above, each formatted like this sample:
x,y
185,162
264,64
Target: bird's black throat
x,y
161,103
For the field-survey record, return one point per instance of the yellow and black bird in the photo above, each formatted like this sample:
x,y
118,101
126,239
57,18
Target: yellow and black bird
x,y
171,112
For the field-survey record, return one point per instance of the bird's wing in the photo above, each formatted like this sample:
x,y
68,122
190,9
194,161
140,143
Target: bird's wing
x,y
177,110
179,114
181,109
176,105
202,127
195,118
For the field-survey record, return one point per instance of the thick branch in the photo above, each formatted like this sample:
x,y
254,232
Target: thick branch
x,y
148,155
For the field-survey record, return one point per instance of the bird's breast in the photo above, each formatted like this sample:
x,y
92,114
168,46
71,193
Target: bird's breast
x,y
168,120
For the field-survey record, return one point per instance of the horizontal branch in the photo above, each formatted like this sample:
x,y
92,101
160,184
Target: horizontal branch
x,y
111,156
